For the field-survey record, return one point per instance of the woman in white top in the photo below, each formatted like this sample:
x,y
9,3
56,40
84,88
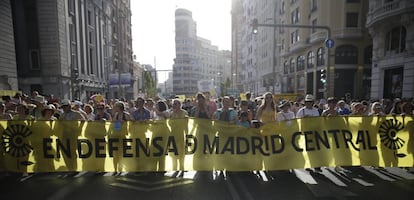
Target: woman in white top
x,y
285,114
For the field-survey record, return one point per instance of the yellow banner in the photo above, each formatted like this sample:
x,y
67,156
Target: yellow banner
x,y
197,144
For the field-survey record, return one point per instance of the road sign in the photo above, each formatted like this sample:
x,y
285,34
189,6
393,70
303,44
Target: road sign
x,y
329,43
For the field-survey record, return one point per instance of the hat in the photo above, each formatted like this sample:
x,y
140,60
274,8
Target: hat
x,y
341,101
309,97
77,103
49,107
40,99
284,103
66,102
377,105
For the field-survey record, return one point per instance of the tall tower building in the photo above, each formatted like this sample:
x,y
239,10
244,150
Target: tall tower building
x,y
8,69
196,58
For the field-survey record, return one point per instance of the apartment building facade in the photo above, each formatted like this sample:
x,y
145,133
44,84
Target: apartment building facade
x,y
299,54
391,25
68,48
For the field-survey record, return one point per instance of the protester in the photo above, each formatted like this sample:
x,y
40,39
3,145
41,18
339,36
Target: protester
x,y
266,112
90,115
161,111
244,120
285,114
244,107
68,112
120,114
201,108
48,112
331,110
227,113
141,113
3,114
149,105
40,102
23,112
176,111
342,109
101,113
308,110
376,109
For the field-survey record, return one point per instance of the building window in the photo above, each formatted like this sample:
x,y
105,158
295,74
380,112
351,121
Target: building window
x,y
368,55
393,82
71,7
320,60
292,65
286,67
346,54
281,29
395,40
314,5
311,58
295,15
294,36
352,19
314,23
301,63
352,1
34,59
89,18
91,61
282,8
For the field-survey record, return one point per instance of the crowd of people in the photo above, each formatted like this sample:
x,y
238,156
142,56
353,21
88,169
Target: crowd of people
x,y
248,112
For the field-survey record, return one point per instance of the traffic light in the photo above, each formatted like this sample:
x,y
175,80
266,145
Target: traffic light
x,y
255,26
323,76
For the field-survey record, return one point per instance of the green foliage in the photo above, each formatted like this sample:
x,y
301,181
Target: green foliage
x,y
149,86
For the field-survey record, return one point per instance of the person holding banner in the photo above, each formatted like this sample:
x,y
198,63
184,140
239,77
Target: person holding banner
x,y
141,113
119,112
227,113
267,110
201,108
285,114
331,111
176,111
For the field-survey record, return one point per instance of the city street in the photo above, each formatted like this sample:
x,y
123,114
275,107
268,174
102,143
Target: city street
x,y
324,183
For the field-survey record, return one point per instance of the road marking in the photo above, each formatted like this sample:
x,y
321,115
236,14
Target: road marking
x,y
379,174
148,189
362,182
304,176
400,172
332,177
189,174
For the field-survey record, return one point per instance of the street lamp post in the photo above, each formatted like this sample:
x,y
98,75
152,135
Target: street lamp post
x,y
255,26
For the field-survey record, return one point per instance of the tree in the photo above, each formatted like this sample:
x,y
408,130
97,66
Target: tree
x,y
149,86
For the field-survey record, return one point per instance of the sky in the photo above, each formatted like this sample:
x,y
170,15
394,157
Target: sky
x,y
153,28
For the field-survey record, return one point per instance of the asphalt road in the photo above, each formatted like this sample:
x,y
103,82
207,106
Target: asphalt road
x,y
326,183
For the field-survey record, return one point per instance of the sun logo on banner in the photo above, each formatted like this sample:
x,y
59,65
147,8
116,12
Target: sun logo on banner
x,y
389,138
13,142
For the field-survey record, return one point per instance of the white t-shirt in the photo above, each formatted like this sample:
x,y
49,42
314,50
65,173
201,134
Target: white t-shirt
x,y
285,116
304,112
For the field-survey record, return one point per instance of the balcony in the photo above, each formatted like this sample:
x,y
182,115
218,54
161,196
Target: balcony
x,y
388,10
